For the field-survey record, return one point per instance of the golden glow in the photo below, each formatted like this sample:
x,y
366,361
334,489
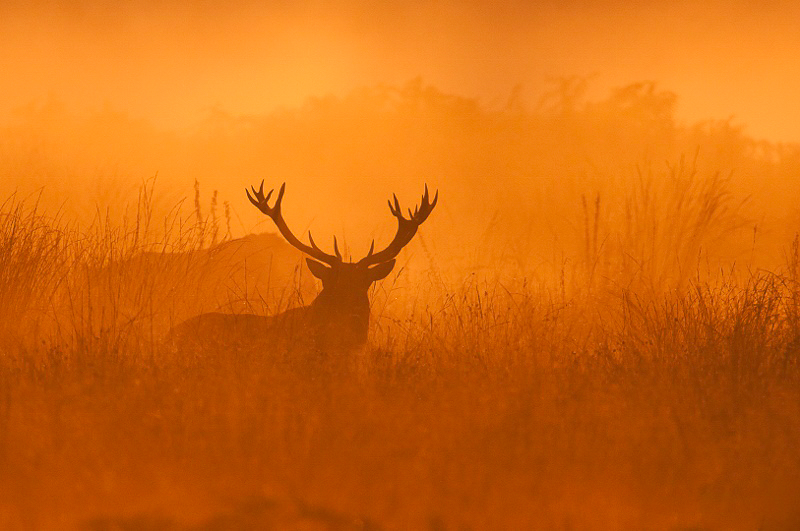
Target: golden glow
x,y
596,328
170,62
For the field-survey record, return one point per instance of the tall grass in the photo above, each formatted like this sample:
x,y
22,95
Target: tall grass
x,y
34,261
478,404
663,230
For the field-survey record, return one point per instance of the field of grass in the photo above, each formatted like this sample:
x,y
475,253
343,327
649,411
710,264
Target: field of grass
x,y
582,336
588,401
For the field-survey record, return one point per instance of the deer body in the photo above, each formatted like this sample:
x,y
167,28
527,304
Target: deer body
x,y
338,318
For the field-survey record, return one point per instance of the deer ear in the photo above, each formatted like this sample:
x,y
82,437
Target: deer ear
x,y
318,269
380,271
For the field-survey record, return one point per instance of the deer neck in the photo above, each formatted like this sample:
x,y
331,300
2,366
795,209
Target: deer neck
x,y
340,320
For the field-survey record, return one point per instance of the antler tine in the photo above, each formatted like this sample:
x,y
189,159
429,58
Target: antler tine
x,y
311,239
396,207
248,192
427,207
406,228
280,196
336,248
262,203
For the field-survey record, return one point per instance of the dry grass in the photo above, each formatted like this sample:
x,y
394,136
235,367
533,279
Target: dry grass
x,y
478,404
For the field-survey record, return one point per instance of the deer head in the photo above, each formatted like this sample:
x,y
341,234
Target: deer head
x,y
343,303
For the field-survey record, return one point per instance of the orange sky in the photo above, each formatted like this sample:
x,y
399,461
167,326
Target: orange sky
x,y
170,63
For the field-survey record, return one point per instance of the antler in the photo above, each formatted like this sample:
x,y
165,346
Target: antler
x,y
406,228
262,203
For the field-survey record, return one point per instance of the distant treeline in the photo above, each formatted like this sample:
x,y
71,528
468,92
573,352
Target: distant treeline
x,y
532,164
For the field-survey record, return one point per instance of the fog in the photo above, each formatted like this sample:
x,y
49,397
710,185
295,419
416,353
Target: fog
x,y
170,62
596,327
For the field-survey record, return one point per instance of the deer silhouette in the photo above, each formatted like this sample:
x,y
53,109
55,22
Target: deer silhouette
x,y
338,318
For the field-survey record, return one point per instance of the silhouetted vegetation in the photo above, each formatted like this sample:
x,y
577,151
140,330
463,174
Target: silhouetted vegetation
x,y
598,328
530,165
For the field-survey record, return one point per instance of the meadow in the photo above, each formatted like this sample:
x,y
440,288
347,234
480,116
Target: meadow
x,y
587,340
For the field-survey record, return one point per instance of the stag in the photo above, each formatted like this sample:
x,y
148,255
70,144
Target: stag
x,y
338,318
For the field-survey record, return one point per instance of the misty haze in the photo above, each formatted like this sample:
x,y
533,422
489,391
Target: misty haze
x,y
580,308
